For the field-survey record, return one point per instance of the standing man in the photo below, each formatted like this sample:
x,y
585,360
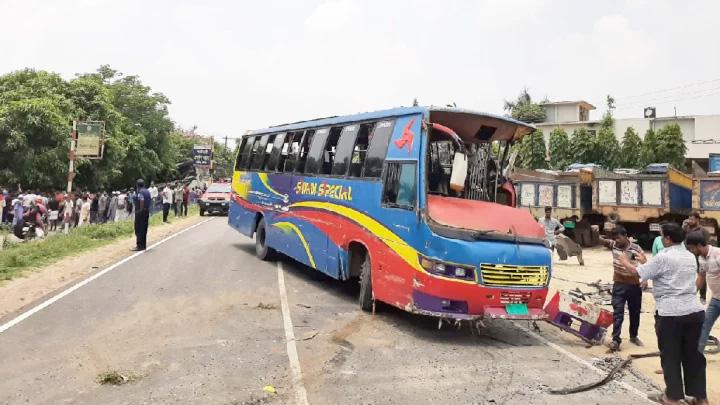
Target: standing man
x,y
626,285
154,195
185,200
552,228
112,207
142,215
679,316
102,207
692,224
709,257
94,206
3,206
167,199
178,199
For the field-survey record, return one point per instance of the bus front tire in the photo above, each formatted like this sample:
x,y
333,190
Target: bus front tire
x,y
366,293
262,250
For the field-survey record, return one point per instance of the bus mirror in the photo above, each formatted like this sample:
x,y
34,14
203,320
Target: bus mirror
x,y
459,172
510,165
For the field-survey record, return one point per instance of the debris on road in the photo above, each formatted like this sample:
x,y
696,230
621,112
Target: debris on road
x,y
266,306
309,335
304,306
115,378
270,389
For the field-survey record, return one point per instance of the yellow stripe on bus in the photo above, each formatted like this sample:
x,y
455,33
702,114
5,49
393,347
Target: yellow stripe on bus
x,y
288,226
394,242
266,182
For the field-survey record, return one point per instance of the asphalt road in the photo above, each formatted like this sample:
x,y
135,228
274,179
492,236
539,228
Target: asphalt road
x,y
198,320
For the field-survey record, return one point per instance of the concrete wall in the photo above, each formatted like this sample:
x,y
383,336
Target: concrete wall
x,y
701,133
562,113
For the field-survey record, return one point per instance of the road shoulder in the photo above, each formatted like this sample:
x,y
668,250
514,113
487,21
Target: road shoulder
x,y
22,292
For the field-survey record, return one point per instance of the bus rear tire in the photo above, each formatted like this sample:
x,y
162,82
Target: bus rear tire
x,y
262,250
366,293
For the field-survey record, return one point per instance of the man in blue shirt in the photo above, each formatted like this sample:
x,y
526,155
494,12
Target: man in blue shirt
x,y
142,203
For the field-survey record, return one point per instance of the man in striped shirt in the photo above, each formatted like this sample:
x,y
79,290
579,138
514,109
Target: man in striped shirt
x,y
626,286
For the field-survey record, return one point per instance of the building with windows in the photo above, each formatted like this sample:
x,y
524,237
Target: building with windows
x,y
701,132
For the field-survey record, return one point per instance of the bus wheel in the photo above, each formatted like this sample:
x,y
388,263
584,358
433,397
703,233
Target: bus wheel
x,y
262,251
366,293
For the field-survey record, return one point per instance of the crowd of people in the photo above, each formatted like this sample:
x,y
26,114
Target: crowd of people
x,y
683,266
56,211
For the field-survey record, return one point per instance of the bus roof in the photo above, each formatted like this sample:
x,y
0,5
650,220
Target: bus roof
x,y
467,123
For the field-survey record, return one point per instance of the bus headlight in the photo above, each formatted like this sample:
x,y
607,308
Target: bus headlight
x,y
447,269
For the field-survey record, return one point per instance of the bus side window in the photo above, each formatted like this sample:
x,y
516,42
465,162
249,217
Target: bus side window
x,y
272,162
250,146
258,153
344,150
288,156
360,149
244,155
315,156
377,150
268,152
400,185
330,150
302,151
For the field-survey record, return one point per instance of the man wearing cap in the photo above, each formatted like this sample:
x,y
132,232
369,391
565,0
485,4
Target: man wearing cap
x,y
142,215
552,228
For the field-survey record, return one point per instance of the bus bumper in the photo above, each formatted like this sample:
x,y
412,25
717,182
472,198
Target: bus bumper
x,y
426,304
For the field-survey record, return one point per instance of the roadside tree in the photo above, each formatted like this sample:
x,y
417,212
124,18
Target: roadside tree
x,y
630,153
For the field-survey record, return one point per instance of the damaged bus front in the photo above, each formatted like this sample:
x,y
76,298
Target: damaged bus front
x,y
482,257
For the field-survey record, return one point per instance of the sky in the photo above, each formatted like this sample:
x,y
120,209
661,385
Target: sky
x,y
229,66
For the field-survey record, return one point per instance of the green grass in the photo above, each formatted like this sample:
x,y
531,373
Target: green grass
x,y
18,258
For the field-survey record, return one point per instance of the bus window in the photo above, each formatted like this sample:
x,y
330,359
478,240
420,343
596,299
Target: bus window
x,y
244,156
360,149
268,152
302,151
377,150
400,185
288,155
272,162
315,155
330,150
258,152
344,150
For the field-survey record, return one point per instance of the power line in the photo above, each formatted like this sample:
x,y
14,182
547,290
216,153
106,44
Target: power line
x,y
669,89
673,97
673,100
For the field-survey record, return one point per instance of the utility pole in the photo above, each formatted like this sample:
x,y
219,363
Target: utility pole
x,y
226,139
71,167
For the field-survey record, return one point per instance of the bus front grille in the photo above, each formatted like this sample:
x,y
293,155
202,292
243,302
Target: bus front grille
x,y
505,275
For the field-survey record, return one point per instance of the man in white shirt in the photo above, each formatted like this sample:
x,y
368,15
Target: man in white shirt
x,y
679,316
153,190
167,200
552,228
709,258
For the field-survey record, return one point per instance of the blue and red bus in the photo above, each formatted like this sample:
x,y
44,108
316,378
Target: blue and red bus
x,y
413,202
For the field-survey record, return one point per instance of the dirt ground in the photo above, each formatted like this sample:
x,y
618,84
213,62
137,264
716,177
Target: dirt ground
x,y
568,275
32,286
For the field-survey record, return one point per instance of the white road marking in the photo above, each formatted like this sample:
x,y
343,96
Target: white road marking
x,y
25,315
300,393
585,363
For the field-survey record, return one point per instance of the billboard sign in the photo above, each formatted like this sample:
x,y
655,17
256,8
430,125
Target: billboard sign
x,y
202,155
89,143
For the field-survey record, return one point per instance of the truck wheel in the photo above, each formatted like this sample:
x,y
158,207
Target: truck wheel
x,y
366,292
262,251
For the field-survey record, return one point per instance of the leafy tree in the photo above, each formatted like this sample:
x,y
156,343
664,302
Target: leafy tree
x,y
630,153
560,151
532,153
671,146
649,149
525,109
583,145
607,147
36,112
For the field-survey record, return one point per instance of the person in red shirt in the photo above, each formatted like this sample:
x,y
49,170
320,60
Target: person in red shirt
x,y
185,201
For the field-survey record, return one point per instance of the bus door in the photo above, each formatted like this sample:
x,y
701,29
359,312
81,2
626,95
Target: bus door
x,y
399,206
